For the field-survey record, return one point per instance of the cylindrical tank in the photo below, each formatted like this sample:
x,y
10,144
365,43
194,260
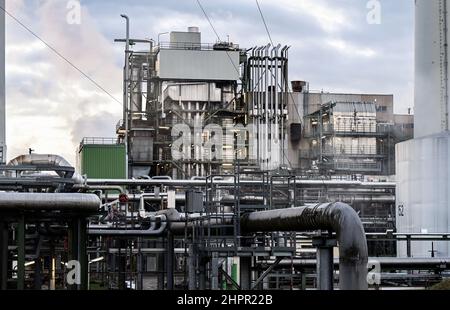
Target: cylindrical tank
x,y
423,189
193,29
431,67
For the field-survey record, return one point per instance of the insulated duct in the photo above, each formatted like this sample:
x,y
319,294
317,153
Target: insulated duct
x,y
336,217
45,161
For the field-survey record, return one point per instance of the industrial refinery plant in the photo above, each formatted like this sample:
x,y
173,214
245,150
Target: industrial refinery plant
x,y
224,173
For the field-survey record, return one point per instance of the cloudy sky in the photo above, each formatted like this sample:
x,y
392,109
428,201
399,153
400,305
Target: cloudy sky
x,y
51,106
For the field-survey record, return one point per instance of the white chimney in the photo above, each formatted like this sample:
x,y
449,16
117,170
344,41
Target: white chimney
x,y
431,68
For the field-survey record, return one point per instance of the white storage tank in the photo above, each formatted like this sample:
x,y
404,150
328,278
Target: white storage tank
x,y
423,189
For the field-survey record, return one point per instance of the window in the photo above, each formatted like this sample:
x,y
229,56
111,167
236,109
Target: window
x,y
381,108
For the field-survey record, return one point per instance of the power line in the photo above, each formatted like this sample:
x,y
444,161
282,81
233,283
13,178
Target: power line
x,y
270,38
217,35
264,21
209,20
61,56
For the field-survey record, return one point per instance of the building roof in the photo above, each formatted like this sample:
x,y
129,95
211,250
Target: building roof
x,y
359,107
348,107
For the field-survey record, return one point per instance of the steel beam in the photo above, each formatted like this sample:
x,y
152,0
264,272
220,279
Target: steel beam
x,y
325,266
3,255
266,273
21,253
214,272
246,272
170,257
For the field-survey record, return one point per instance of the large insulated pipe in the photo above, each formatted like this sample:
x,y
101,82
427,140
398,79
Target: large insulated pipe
x,y
49,202
336,217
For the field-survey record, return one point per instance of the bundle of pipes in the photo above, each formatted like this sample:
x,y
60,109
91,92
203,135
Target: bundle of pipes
x,y
268,88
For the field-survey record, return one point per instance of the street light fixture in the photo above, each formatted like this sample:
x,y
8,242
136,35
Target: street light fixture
x,y
159,35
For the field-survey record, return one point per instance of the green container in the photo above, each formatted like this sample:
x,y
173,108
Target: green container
x,y
102,161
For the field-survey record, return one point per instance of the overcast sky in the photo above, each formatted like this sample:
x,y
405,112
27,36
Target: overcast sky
x,y
51,106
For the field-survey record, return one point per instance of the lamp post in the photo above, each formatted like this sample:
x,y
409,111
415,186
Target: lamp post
x,y
159,35
125,93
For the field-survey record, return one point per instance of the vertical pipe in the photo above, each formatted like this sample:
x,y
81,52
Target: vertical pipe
x,y
235,271
277,133
21,253
123,245
325,268
251,85
408,246
82,252
52,273
246,272
191,269
266,107
215,272
258,103
170,261
160,268
271,91
3,255
2,85
202,273
37,274
73,241
139,266
282,83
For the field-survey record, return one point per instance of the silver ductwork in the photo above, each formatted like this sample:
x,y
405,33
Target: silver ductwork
x,y
39,160
49,202
46,160
336,217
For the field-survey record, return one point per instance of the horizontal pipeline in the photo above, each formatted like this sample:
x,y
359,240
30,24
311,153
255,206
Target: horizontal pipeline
x,y
385,262
49,201
298,182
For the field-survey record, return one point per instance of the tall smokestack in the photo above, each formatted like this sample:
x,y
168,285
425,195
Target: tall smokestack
x,y
2,84
432,84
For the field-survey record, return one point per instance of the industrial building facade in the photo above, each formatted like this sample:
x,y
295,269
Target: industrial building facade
x,y
223,176
350,134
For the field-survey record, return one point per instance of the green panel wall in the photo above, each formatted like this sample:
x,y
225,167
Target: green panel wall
x,y
103,161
